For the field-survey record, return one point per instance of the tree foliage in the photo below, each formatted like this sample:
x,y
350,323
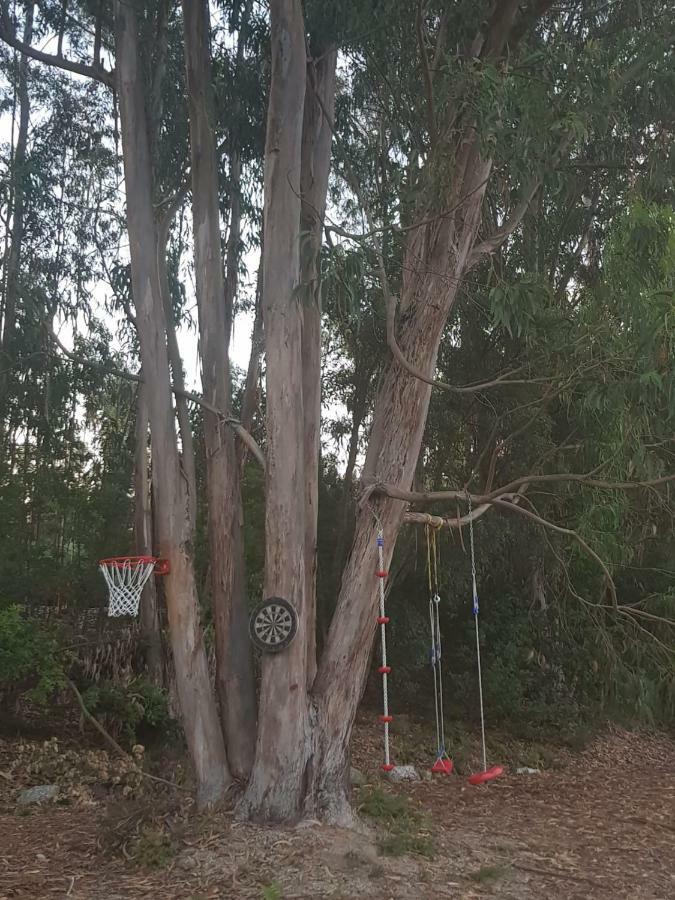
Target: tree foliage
x,y
558,348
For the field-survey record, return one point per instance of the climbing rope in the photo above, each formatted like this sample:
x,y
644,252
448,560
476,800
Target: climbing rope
x,y
495,771
475,618
443,763
384,669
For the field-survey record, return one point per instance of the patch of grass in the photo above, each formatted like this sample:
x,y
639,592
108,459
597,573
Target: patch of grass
x,y
153,849
404,843
405,827
488,874
376,803
271,891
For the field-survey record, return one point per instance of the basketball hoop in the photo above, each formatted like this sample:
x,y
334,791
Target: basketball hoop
x,y
126,577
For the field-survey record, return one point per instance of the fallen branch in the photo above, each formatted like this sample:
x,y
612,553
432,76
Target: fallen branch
x,y
552,873
110,740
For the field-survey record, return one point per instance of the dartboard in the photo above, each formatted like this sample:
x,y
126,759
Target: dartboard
x,y
273,624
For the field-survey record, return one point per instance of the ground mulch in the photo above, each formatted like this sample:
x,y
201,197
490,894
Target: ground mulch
x,y
600,824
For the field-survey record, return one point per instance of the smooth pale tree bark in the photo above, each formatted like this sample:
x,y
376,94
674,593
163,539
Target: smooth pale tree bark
x,y
197,702
149,613
249,400
317,133
187,456
13,261
234,665
359,409
276,788
437,257
400,415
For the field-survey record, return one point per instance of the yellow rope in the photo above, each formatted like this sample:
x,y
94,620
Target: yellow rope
x,y
432,558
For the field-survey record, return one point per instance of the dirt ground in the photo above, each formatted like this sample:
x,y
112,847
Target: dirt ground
x,y
600,825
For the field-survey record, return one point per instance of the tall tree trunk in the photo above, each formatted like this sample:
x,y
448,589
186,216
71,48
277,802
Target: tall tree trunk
x,y
249,400
234,665
435,261
359,407
317,135
150,630
198,707
8,324
187,455
275,790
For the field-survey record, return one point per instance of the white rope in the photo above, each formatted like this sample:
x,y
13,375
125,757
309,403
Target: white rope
x,y
436,648
383,643
439,656
475,616
434,669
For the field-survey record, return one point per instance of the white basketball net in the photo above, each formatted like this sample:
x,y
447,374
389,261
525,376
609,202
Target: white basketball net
x,y
125,582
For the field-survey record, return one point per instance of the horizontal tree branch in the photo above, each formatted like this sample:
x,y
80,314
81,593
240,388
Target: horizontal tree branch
x,y
420,518
586,480
98,73
510,504
390,490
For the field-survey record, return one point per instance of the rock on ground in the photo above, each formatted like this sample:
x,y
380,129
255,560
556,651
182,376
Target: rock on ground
x,y
403,773
42,793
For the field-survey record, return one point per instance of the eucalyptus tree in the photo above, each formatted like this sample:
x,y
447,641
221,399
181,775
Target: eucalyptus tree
x,y
479,131
451,130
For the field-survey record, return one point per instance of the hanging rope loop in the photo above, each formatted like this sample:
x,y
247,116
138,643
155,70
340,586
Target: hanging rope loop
x,y
442,763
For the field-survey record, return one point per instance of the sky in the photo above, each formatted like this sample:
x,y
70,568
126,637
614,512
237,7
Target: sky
x,y
240,345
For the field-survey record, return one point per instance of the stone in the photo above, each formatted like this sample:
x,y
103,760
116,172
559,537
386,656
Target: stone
x,y
41,793
403,773
526,770
308,823
356,777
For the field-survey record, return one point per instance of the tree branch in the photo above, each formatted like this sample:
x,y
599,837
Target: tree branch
x,y
495,241
98,73
230,421
426,72
110,740
420,518
506,490
522,511
586,480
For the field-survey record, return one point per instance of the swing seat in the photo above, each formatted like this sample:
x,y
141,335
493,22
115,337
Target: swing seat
x,y
442,766
488,775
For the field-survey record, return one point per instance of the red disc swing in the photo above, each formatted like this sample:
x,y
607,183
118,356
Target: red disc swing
x,y
486,775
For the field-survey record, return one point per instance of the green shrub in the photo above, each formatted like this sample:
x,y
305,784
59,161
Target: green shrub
x,y
137,710
31,657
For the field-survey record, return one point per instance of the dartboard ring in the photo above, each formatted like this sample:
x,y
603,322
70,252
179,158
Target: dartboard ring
x,y
273,624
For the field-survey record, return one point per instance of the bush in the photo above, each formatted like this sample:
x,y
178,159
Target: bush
x,y
137,710
31,657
